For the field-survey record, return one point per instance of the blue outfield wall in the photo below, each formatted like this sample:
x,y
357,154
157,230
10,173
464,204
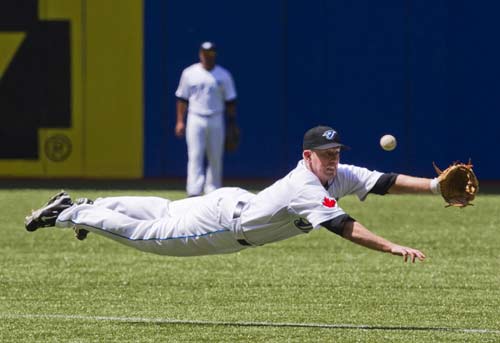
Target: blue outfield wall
x,y
425,71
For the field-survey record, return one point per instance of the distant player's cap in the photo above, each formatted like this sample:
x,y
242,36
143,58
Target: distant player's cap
x,y
322,137
207,46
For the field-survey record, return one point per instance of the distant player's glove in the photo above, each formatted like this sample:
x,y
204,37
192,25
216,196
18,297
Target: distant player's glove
x,y
458,184
233,136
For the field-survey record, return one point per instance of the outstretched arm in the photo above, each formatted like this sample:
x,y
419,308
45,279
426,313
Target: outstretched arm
x,y
357,233
411,184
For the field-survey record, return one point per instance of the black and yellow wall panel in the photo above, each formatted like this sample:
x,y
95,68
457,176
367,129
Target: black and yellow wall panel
x,y
113,88
71,88
62,148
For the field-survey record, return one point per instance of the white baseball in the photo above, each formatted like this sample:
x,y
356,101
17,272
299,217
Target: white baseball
x,y
388,142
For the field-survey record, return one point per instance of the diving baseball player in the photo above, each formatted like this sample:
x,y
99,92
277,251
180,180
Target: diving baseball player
x,y
206,90
231,219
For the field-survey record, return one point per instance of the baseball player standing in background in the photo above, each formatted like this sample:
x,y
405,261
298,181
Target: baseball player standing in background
x,y
231,219
206,92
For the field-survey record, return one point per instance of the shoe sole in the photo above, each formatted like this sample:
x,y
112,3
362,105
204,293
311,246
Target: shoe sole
x,y
81,234
35,221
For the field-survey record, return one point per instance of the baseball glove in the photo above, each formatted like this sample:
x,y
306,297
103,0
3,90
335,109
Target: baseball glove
x,y
233,136
458,184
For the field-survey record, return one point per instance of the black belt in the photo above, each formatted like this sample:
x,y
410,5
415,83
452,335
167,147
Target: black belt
x,y
236,215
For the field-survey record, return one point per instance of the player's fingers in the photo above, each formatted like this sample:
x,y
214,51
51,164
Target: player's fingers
x,y
412,254
421,256
416,254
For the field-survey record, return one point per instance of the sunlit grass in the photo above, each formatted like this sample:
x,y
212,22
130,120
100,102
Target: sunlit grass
x,y
315,278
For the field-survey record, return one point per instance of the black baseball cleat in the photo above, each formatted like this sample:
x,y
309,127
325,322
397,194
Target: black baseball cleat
x,y
47,214
81,234
83,201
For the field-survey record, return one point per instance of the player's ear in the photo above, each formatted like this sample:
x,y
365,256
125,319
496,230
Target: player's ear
x,y
306,154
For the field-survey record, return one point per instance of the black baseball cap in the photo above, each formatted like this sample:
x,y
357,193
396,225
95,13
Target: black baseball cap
x,y
322,137
207,46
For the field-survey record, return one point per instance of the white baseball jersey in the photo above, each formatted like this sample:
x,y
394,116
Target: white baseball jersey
x,y
213,224
299,203
206,90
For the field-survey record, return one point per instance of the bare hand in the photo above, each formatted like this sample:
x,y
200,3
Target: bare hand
x,y
407,253
180,129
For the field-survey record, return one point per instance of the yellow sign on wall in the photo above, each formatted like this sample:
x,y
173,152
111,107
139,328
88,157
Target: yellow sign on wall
x,y
71,90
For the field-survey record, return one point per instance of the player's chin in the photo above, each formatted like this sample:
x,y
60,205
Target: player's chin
x,y
331,172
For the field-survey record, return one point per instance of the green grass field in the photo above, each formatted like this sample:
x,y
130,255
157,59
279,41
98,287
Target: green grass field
x,y
316,287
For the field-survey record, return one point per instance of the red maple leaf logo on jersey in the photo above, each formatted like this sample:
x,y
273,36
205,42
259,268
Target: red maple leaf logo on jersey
x,y
329,202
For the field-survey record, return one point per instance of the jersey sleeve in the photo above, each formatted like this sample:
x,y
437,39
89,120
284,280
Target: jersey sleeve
x,y
354,180
183,88
229,88
315,204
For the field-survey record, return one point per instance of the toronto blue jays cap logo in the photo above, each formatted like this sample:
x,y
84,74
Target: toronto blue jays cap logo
x,y
329,134
322,137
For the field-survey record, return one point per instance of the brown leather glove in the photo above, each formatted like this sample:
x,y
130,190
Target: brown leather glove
x,y
458,184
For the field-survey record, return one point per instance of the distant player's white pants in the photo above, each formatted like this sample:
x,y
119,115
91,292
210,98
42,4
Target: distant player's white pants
x,y
187,227
204,137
